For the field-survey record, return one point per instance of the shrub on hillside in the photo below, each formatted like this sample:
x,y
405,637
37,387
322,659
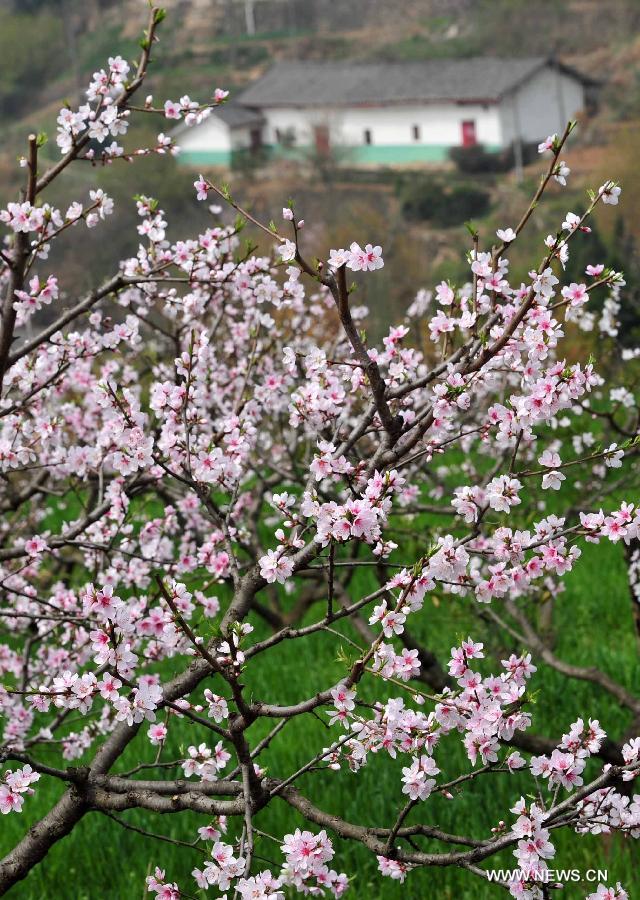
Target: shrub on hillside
x,y
476,159
432,200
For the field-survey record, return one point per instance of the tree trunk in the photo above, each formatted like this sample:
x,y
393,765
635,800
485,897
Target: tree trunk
x,y
37,842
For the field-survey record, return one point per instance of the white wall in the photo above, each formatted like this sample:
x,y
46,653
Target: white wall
x,y
440,124
214,135
542,106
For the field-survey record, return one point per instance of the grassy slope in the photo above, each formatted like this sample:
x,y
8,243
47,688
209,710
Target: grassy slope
x,y
100,859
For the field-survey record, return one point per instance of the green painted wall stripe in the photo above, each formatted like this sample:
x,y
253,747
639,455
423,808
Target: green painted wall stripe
x,y
403,153
384,154
205,157
399,153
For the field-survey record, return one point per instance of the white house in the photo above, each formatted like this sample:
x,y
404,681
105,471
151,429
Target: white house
x,y
231,128
391,113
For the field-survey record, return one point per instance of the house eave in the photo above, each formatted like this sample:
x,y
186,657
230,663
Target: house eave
x,y
435,101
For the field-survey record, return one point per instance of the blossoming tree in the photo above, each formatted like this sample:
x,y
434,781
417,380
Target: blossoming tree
x,y
210,424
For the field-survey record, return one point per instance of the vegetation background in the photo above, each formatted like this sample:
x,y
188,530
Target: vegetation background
x,y
48,48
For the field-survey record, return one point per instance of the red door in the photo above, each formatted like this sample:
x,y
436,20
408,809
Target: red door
x,y
469,133
321,134
256,139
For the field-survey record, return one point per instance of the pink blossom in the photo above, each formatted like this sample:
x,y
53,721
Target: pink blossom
x,y
202,188
366,260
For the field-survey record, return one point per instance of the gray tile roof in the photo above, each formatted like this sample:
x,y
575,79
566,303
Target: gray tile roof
x,y
485,79
236,116
232,114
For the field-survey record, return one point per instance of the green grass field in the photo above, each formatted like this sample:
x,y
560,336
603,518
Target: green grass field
x,y
593,619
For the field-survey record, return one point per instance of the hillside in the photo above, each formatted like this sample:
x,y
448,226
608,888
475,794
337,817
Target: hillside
x,y
48,47
205,44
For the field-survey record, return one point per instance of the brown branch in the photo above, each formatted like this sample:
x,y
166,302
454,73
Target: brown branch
x,y
592,674
340,292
